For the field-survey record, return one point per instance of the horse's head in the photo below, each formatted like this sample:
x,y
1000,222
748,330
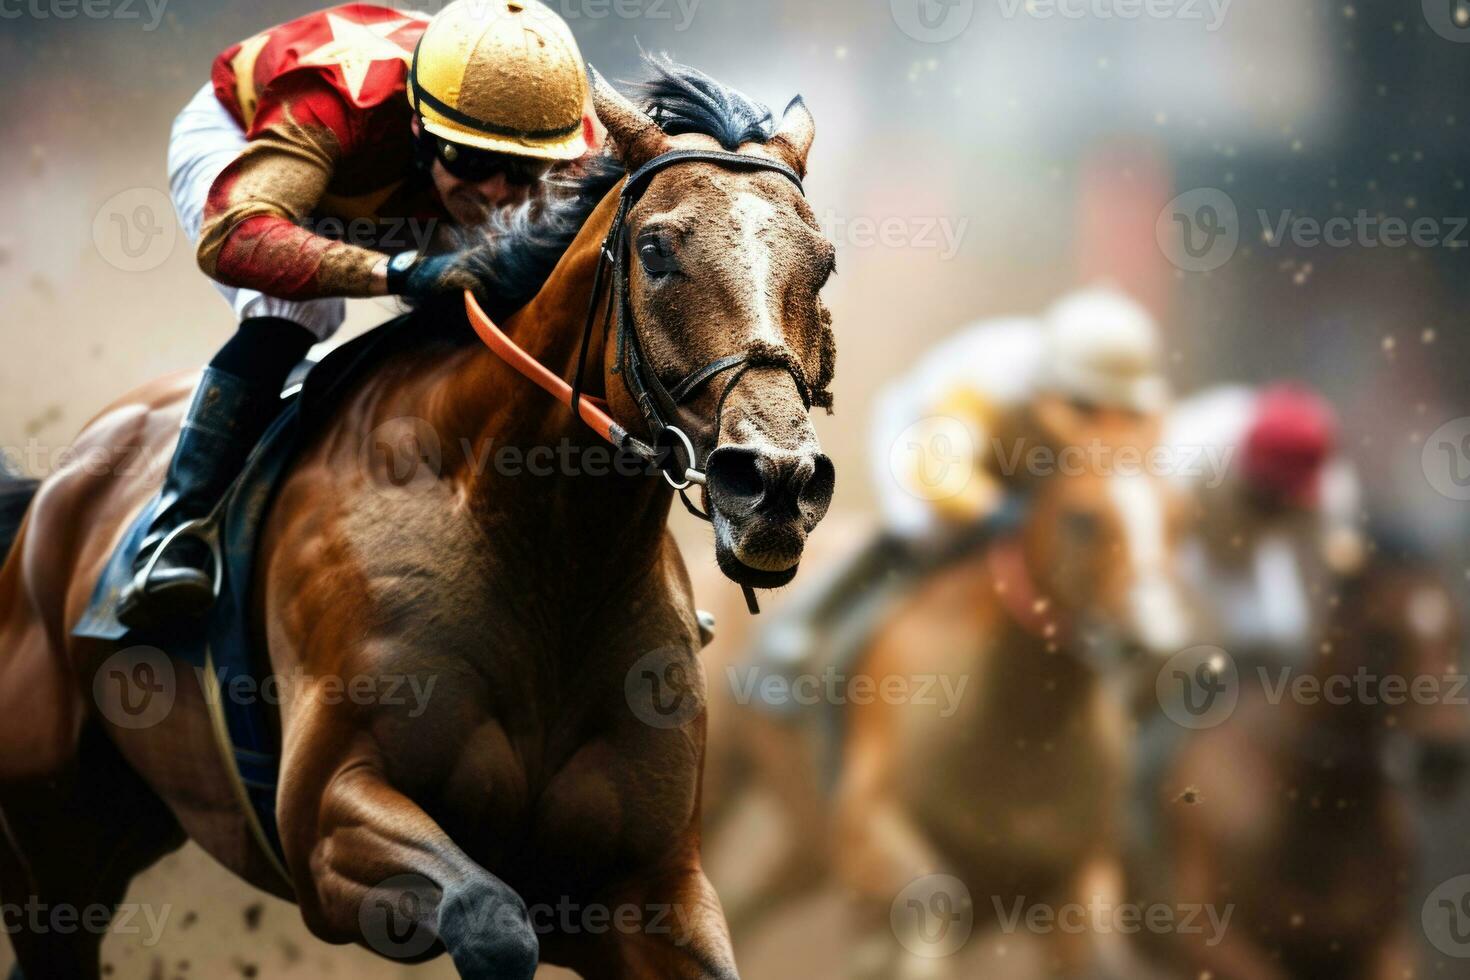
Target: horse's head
x,y
1101,534
726,267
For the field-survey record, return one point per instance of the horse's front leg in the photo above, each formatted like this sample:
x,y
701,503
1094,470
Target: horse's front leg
x,y
373,868
670,927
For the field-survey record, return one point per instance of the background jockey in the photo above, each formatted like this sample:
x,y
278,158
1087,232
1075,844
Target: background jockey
x,y
946,437
360,117
1278,512
1094,353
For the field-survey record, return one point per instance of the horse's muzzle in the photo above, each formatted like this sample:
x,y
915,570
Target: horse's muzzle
x,y
765,501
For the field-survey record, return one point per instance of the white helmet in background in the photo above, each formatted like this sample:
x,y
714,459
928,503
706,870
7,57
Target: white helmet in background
x,y
1104,348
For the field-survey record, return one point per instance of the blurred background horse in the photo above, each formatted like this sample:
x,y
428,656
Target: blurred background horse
x,y
1014,614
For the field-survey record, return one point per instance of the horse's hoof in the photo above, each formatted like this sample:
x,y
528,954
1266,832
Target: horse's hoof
x,y
488,934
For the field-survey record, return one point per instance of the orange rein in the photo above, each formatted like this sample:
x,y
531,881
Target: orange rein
x,y
593,410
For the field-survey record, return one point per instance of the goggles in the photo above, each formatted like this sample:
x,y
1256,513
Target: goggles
x,y
477,166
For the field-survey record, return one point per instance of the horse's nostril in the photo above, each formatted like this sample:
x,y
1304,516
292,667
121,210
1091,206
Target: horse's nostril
x,y
819,486
735,472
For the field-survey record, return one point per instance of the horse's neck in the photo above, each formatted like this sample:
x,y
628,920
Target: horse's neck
x,y
538,468
1024,654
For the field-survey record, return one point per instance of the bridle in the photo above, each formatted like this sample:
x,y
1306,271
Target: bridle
x,y
662,406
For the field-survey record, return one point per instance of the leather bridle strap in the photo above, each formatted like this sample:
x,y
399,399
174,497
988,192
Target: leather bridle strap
x,y
654,400
659,404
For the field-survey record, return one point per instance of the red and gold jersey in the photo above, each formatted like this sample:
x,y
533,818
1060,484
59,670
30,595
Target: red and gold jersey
x,y
323,101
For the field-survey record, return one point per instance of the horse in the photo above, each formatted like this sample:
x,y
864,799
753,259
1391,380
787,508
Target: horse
x,y
546,805
1011,781
1287,814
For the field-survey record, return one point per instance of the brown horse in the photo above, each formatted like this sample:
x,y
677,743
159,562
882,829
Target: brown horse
x,y
546,803
1285,811
1011,781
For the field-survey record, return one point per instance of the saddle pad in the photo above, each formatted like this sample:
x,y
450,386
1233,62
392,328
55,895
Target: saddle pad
x,y
220,649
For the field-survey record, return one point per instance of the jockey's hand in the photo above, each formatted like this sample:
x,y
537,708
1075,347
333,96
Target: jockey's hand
x,y
423,276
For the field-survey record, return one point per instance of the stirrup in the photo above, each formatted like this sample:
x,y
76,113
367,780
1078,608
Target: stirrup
x,y
205,529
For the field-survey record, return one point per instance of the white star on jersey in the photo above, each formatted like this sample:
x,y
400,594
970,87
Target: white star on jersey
x,y
355,47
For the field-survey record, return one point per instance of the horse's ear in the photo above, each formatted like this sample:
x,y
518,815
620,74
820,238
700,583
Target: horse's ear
x,y
793,141
635,137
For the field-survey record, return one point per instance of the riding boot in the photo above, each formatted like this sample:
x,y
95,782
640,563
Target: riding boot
x,y
224,421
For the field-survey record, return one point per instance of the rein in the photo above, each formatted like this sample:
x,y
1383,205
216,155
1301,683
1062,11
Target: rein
x,y
671,450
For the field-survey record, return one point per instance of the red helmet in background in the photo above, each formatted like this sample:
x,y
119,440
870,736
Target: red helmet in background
x,y
1290,439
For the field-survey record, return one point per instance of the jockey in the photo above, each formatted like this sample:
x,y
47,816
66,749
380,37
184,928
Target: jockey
x,y
359,122
945,437
1278,511
1093,352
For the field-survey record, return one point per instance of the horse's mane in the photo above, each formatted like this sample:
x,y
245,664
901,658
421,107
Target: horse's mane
x,y
513,254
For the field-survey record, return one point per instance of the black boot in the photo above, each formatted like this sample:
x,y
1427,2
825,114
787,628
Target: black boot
x,y
224,421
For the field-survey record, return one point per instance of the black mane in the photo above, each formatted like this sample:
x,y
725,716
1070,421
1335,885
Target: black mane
x,y
514,253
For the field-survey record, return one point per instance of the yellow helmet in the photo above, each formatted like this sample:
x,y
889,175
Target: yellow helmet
x,y
504,76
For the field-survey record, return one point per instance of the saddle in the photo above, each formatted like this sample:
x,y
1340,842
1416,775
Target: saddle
x,y
220,649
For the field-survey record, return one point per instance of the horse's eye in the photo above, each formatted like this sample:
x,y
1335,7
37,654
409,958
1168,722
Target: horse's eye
x,y
657,256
